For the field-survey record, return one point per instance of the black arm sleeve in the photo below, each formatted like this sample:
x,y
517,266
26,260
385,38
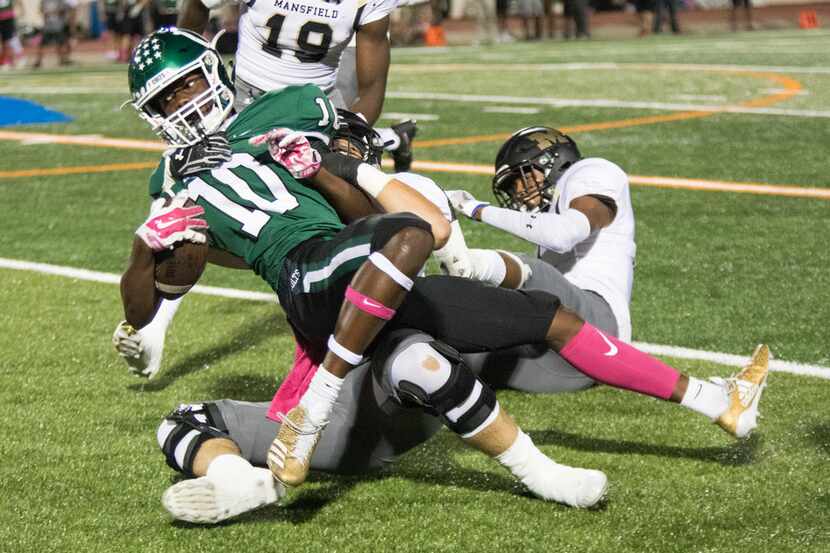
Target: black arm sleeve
x,y
339,165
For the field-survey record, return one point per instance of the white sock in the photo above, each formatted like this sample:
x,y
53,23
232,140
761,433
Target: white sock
x,y
519,457
488,266
230,468
391,140
322,392
706,398
455,255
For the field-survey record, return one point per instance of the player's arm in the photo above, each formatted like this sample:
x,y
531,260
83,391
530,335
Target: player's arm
x,y
372,52
391,194
194,15
558,232
138,286
350,203
292,150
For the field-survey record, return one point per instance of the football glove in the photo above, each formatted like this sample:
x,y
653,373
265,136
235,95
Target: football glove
x,y
173,223
464,202
291,150
141,349
210,153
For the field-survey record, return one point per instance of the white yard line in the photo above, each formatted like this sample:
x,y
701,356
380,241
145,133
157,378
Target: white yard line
x,y
603,103
401,116
655,349
510,109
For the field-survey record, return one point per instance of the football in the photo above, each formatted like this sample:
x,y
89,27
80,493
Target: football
x,y
177,270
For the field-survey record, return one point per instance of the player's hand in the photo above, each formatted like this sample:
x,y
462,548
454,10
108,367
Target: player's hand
x,y
142,351
464,202
173,223
210,153
291,150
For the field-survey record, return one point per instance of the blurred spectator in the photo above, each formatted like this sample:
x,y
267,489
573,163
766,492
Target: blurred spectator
x,y
531,12
10,48
550,16
485,15
409,22
576,19
56,25
112,19
659,7
733,15
645,15
132,26
502,6
163,13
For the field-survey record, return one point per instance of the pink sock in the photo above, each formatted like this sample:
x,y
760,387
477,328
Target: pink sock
x,y
611,361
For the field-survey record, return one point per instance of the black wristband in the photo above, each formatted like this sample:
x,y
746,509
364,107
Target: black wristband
x,y
341,165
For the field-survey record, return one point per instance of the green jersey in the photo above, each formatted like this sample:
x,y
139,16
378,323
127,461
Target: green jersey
x,y
255,208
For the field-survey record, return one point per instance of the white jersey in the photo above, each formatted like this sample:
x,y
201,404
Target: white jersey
x,y
296,42
604,262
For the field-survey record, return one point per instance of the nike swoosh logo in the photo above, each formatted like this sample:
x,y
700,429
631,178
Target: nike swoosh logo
x,y
367,302
611,352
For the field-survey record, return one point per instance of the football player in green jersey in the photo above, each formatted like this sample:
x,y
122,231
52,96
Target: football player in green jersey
x,y
261,216
179,86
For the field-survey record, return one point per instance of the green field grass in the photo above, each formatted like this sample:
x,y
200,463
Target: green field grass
x,y
718,271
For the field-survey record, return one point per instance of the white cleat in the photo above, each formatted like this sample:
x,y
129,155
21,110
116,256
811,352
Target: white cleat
x,y
203,501
575,487
744,391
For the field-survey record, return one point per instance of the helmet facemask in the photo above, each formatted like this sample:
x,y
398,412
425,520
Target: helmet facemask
x,y
507,193
354,136
200,116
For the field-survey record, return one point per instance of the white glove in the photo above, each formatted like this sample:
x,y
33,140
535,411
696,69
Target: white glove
x,y
173,223
141,349
464,202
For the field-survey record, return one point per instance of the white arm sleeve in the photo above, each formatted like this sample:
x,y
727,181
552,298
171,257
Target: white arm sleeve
x,y
557,232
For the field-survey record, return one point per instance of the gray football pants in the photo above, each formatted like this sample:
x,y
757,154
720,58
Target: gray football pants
x,y
360,436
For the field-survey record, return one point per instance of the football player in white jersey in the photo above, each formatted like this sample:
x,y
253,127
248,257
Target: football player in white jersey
x,y
578,213
289,42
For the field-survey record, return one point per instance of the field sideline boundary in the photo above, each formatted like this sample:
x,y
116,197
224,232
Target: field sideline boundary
x,y
655,349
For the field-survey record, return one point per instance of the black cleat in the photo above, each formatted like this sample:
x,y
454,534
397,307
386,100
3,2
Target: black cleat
x,y
406,131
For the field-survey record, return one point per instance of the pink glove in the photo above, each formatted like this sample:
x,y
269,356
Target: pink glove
x,y
171,224
291,150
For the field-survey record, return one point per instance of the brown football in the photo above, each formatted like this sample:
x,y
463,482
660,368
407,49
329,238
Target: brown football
x,y
177,270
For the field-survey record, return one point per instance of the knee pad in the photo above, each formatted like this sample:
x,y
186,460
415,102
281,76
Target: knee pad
x,y
183,431
433,376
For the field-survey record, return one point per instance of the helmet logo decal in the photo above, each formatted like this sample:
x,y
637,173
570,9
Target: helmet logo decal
x,y
543,139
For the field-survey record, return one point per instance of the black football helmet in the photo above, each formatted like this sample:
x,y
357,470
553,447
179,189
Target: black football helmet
x,y
359,134
543,148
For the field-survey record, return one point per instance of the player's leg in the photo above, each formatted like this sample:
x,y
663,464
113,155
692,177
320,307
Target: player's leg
x,y
229,439
397,248
534,367
473,317
195,441
731,403
416,370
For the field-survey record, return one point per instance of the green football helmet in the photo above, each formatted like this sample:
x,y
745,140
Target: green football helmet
x,y
163,58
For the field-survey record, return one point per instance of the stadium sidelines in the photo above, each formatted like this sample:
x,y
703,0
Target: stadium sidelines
x,y
655,349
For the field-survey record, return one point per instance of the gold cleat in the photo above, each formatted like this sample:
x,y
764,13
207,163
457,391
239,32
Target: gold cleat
x,y
744,392
289,457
